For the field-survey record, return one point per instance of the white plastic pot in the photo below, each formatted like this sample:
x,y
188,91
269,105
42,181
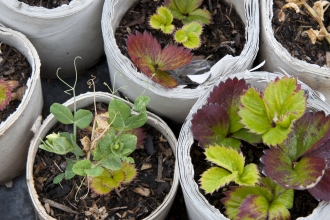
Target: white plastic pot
x,y
173,103
15,131
197,205
276,56
82,101
59,34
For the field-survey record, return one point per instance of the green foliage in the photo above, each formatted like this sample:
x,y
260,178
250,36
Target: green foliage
x,y
162,20
266,200
272,113
189,35
231,168
114,140
188,11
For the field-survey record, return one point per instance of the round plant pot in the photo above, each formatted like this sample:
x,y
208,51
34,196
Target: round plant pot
x,y
82,101
15,131
276,56
59,34
174,103
197,205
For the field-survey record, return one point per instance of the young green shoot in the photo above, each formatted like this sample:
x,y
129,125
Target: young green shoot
x,y
189,35
162,20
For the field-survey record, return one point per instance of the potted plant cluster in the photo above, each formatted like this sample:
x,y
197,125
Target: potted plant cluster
x,y
98,154
20,100
59,34
144,61
295,38
283,121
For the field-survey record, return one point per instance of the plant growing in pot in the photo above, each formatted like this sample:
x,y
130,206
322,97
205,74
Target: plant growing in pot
x,y
297,40
104,166
190,28
260,147
20,100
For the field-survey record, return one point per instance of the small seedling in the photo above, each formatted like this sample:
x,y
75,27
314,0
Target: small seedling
x,y
147,54
188,11
111,144
266,200
230,167
6,88
189,35
162,20
317,12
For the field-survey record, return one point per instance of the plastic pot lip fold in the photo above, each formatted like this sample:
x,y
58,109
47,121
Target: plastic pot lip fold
x,y
127,69
21,43
41,12
196,203
82,101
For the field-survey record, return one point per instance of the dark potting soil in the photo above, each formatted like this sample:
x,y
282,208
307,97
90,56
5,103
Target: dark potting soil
x,y
303,204
226,36
291,33
46,3
123,203
13,66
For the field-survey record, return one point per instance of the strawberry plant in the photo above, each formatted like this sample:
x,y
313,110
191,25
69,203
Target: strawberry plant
x,y
6,88
297,144
189,35
188,11
147,54
105,159
162,20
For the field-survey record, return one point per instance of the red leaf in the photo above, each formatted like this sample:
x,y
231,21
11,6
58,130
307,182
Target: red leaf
x,y
207,121
5,94
173,57
228,92
143,46
249,209
322,189
147,54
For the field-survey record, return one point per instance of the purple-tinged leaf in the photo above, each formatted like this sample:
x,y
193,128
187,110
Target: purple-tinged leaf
x,y
5,94
322,190
143,46
253,207
147,54
308,134
209,124
291,174
173,57
227,94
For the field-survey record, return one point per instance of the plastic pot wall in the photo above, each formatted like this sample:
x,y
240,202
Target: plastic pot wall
x,y
176,103
15,131
277,57
82,101
197,205
59,34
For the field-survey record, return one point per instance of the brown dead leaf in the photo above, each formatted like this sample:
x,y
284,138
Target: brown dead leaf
x,y
327,58
146,166
319,8
86,142
142,191
312,34
97,213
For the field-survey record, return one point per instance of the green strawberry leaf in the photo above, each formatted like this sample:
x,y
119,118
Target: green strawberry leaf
x,y
107,181
214,178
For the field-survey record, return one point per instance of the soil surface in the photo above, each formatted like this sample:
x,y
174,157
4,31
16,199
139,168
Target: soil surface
x,y
291,33
13,66
303,203
225,36
155,165
46,3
